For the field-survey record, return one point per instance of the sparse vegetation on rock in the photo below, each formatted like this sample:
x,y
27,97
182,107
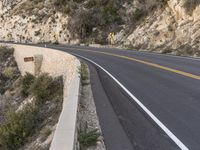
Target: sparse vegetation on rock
x,y
17,127
26,82
46,88
190,5
134,23
8,69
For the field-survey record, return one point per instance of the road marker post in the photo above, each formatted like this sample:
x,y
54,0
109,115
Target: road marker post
x,y
111,38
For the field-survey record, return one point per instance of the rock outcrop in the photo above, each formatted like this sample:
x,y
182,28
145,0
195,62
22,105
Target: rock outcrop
x,y
22,21
166,26
171,29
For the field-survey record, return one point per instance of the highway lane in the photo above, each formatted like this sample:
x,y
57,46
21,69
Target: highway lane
x,y
186,64
173,98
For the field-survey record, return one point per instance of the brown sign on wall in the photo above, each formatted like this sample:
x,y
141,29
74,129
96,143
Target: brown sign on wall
x,y
27,59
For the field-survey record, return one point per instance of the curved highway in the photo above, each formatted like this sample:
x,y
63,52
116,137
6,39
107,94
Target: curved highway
x,y
145,101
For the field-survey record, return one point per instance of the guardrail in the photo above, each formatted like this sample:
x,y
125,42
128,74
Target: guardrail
x,y
65,135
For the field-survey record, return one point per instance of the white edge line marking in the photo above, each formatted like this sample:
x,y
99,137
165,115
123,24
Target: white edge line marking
x,y
155,119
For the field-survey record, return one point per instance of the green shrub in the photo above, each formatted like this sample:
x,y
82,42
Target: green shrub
x,y
83,72
87,139
9,72
64,6
66,9
110,13
26,83
92,3
56,42
82,23
78,1
45,88
96,15
20,125
138,14
5,52
17,127
163,2
60,2
40,87
37,33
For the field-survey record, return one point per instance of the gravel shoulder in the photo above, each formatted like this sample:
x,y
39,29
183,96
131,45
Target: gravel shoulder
x,y
87,115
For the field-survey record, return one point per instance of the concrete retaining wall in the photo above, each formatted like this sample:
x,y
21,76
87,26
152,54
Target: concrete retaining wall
x,y
56,63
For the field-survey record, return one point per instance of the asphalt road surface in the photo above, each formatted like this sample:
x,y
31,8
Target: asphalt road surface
x,y
167,87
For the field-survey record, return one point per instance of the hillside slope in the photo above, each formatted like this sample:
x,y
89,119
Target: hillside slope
x,y
166,26
29,106
175,28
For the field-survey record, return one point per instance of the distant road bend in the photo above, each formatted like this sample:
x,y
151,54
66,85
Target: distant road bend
x,y
155,98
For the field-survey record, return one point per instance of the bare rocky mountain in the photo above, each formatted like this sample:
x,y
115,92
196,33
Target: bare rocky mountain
x,y
166,26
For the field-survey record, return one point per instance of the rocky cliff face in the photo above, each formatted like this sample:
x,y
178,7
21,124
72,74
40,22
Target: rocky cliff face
x,y
6,5
173,29
32,21
166,26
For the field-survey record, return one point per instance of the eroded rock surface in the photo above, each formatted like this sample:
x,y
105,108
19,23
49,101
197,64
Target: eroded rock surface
x,y
170,29
166,26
